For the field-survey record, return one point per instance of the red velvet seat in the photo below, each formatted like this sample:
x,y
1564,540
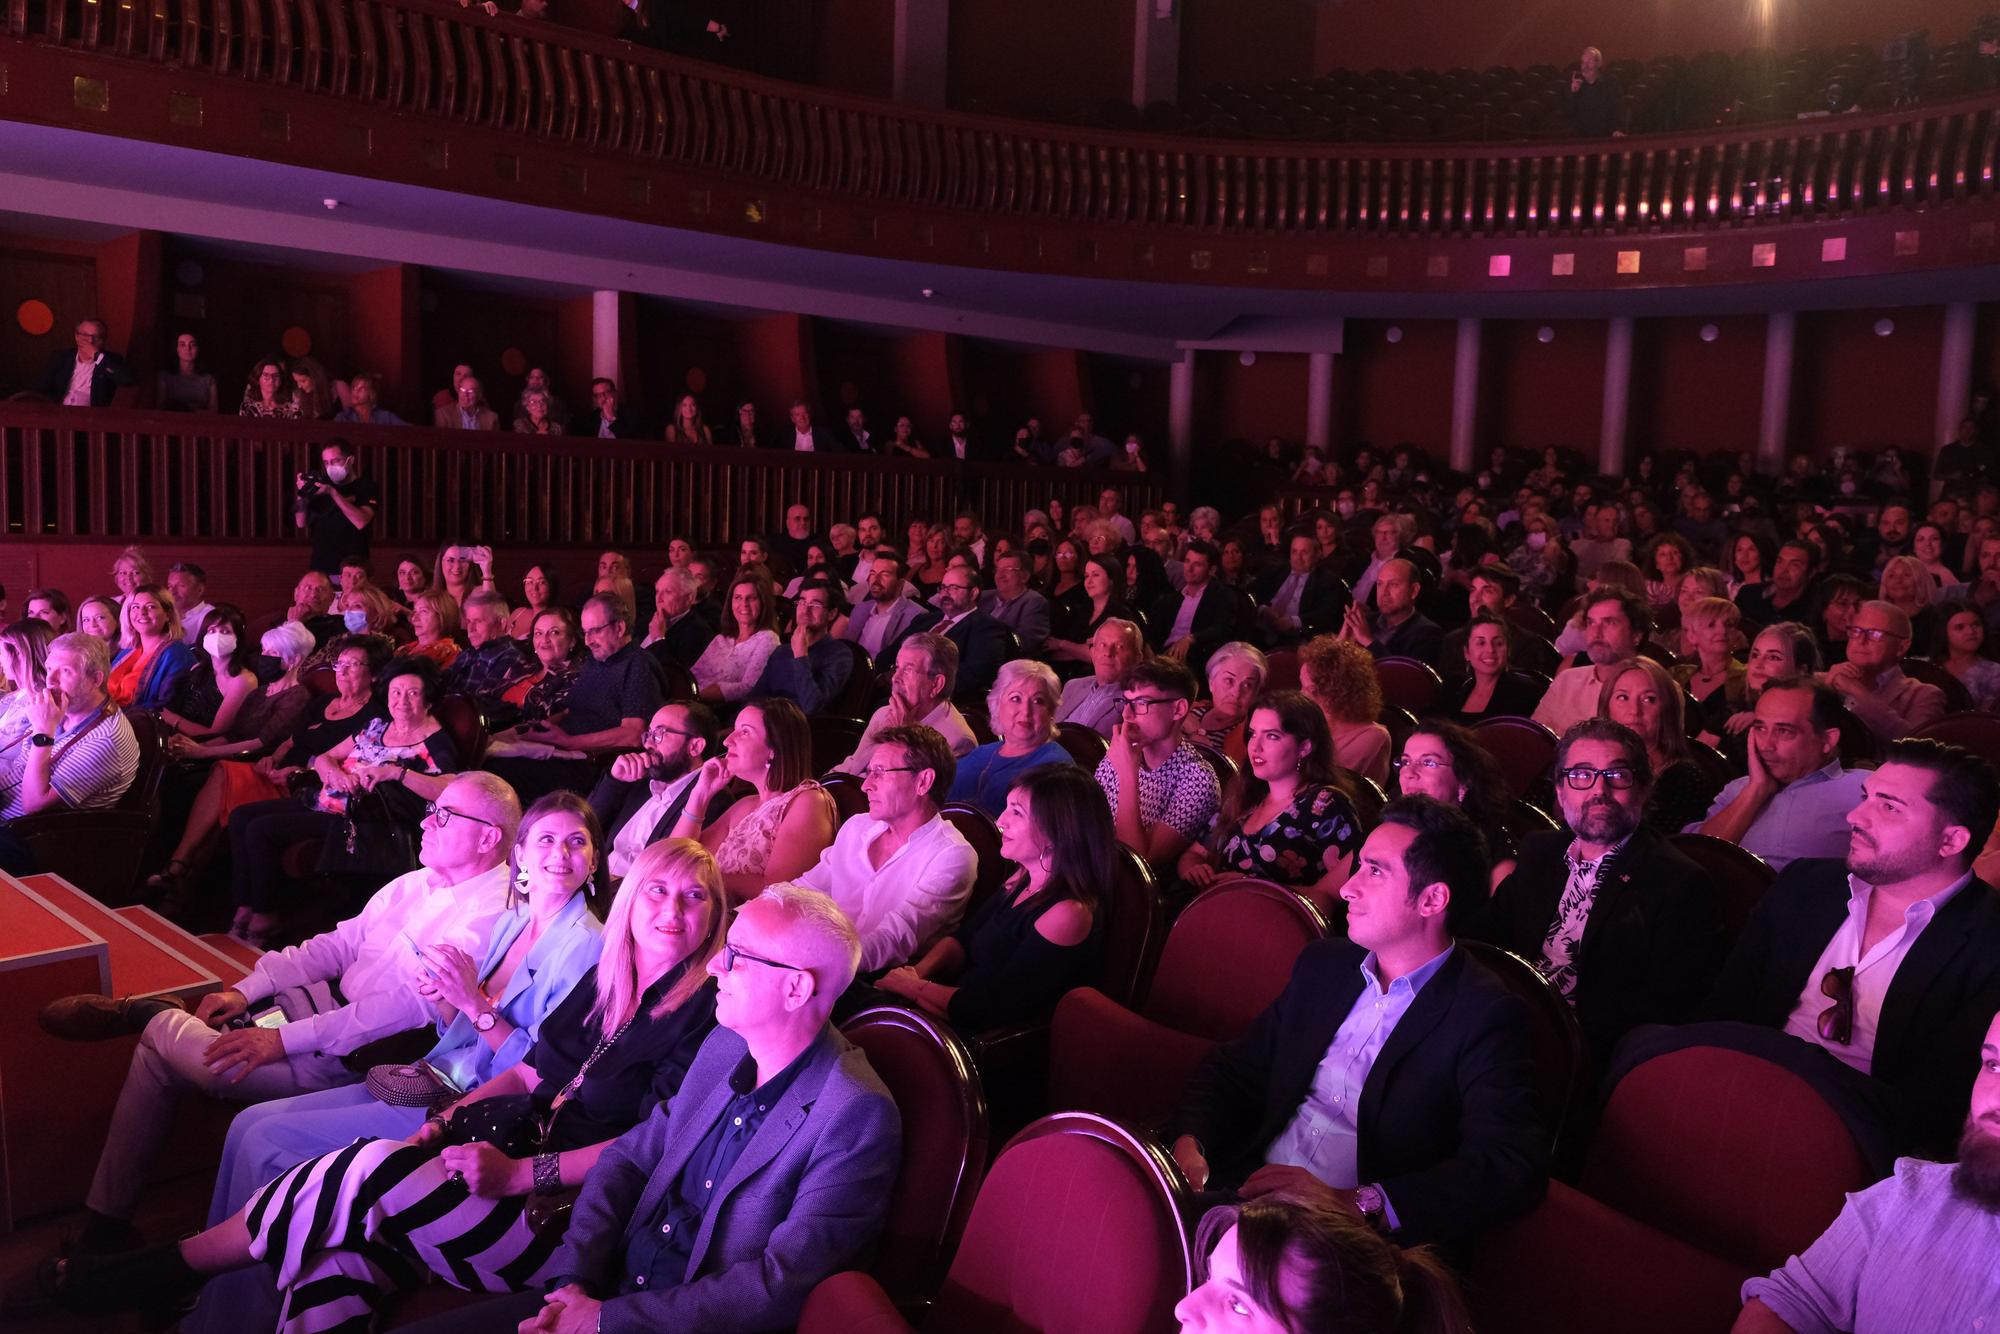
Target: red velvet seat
x,y
1977,732
930,1075
1227,957
1558,1041
1284,673
1522,747
1077,1230
977,828
461,719
834,738
1085,744
1409,683
1726,1151
1740,875
99,851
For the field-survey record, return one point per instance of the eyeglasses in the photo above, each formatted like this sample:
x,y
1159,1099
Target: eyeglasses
x,y
1143,704
89,337
1582,778
1871,634
731,953
1427,763
444,814
1836,1021
657,736
877,770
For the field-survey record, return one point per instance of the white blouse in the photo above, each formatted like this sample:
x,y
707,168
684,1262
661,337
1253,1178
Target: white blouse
x,y
731,667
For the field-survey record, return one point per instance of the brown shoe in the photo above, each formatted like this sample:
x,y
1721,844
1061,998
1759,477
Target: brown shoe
x,y
93,1018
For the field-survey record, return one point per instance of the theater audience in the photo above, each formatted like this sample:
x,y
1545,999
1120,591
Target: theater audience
x,y
1043,933
1794,802
208,697
1614,624
1282,1265
79,753
1281,818
1022,706
491,660
269,393
1236,675
734,660
1339,676
50,606
1083,610
1163,794
920,688
1620,922
146,671
640,799
1887,702
1908,1252
1445,1143
1490,689
1015,603
1890,961
900,871
337,992
616,690
812,669
364,407
1440,760
1959,646
785,821
1643,696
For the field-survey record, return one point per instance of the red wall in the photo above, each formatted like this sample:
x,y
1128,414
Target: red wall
x,y
1691,395
1385,393
1443,33
1533,394
1009,55
1245,41
1850,387
1233,401
856,47
60,275
240,312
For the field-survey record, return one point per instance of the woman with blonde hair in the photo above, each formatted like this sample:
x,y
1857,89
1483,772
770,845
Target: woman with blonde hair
x,y
434,616
1644,696
1339,676
1907,584
1713,678
145,673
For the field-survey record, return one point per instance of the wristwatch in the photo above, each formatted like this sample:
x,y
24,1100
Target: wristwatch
x,y
1374,1207
42,739
483,1021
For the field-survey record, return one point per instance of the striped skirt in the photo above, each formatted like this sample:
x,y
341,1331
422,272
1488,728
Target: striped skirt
x,y
347,1230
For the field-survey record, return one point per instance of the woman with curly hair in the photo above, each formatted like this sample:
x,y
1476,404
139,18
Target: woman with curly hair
x,y
1339,676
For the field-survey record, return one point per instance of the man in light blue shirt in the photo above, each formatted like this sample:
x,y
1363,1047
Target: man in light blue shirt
x,y
1795,801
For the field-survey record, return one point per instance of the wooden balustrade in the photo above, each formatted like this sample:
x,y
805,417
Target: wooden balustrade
x,y
107,474
430,58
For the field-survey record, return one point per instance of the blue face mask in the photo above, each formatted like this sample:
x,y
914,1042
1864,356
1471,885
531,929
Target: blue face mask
x,y
355,619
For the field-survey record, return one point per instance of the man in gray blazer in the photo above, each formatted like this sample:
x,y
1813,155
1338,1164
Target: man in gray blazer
x,y
1015,605
886,614
769,1170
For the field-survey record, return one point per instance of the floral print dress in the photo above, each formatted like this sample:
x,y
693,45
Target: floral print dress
x,y
1291,849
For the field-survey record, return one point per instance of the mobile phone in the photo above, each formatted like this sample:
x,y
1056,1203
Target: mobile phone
x,y
271,1018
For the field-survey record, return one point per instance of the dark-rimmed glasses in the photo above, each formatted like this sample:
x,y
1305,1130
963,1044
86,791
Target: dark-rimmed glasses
x,y
731,953
1581,777
444,815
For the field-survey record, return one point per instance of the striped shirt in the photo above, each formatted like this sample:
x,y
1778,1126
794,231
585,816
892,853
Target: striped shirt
x,y
96,759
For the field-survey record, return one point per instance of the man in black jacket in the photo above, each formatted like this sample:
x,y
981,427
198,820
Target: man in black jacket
x,y
679,630
88,377
1395,1074
612,420
1614,916
1201,617
984,644
1300,599
1889,961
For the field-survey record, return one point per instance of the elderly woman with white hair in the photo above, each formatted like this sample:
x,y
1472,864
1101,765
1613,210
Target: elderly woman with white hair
x,y
1236,675
1022,706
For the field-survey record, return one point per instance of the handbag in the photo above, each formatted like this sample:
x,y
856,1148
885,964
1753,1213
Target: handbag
x,y
377,837
508,1123
417,1084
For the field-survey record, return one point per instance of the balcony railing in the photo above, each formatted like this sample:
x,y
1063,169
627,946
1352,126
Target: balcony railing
x,y
108,474
429,58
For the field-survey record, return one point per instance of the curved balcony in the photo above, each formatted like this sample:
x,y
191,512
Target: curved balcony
x,y
521,110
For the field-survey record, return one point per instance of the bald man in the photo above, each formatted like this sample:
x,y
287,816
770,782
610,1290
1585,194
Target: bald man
x,y
1888,703
1398,629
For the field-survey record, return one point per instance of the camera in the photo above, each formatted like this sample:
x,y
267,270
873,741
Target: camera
x,y
310,481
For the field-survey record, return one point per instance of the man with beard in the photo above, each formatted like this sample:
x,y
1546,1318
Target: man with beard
x,y
1621,923
1614,622
1890,961
640,798
1914,1252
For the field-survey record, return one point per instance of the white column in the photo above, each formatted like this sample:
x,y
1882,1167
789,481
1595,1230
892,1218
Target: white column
x,y
1774,423
1465,396
604,311
1617,395
1180,421
1156,51
1319,398
1954,398
922,51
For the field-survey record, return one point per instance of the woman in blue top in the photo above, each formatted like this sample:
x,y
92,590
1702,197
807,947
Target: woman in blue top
x,y
544,942
1022,707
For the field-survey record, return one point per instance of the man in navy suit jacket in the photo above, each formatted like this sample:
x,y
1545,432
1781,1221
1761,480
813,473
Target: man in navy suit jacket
x,y
984,645
1425,1121
767,1172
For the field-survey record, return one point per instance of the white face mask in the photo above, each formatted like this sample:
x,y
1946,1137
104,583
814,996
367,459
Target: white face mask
x,y
1537,540
1346,509
219,643
336,472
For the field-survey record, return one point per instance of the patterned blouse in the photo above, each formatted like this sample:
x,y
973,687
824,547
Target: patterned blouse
x,y
1291,849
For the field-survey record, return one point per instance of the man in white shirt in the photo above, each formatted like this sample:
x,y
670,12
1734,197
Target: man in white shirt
x,y
1109,502
803,440
920,689
1098,700
900,873
336,993
640,801
1613,624
188,583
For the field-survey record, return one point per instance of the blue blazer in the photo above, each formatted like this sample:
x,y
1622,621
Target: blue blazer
x,y
566,951
156,687
805,1200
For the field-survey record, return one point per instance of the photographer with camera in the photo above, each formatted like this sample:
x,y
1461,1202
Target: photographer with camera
x,y
336,506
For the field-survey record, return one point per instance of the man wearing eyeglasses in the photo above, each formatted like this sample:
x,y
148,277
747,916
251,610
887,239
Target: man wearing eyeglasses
x,y
1888,703
1622,924
642,797
901,872
983,643
1162,793
91,376
616,691
919,693
324,999
769,1171
1909,1253
1889,961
